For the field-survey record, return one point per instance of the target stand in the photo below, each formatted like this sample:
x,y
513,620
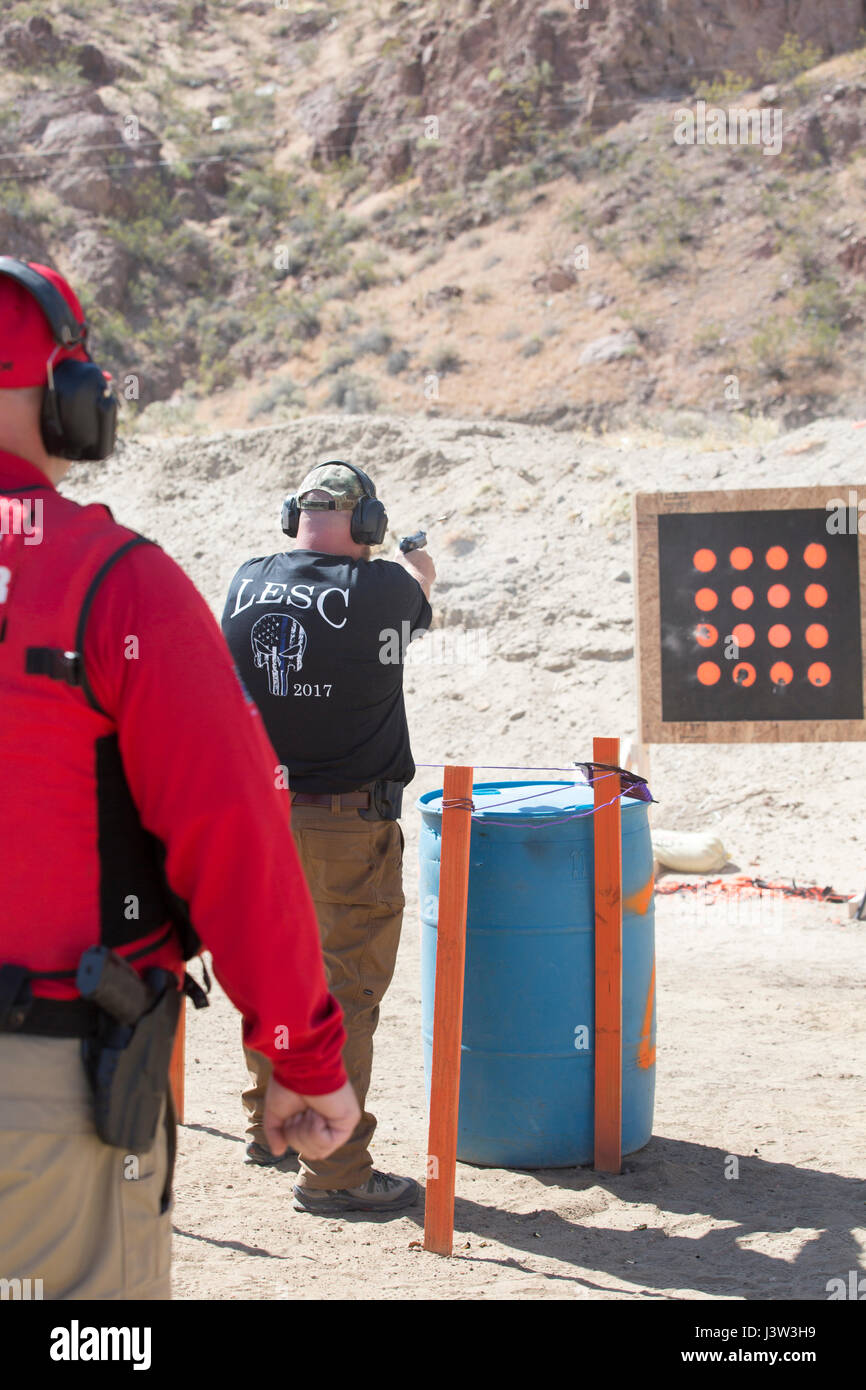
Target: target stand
x,y
751,616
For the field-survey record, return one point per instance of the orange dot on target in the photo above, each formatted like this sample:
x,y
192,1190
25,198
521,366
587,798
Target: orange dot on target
x,y
819,673
704,560
742,597
708,673
817,635
779,635
744,673
781,673
815,595
777,557
706,600
778,595
706,634
815,555
743,634
741,557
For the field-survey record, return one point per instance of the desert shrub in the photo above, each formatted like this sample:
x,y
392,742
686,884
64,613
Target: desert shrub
x,y
337,360
707,337
769,349
822,306
429,256
354,395
280,394
375,340
445,359
721,89
362,275
792,57
659,258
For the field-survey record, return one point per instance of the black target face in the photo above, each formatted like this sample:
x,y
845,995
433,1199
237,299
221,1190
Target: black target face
x,y
760,617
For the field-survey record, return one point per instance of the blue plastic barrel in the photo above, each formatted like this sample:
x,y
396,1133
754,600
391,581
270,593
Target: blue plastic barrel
x,y
527,1064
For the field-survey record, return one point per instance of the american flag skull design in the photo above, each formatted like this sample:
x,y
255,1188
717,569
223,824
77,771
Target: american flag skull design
x,y
278,643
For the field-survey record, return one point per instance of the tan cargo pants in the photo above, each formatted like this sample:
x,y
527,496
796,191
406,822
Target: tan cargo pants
x,y
78,1219
354,868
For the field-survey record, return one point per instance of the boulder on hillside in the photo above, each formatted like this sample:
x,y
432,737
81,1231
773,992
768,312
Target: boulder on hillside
x,y
853,257
17,238
95,169
804,142
37,109
332,121
609,349
554,280
30,45
102,264
93,65
212,176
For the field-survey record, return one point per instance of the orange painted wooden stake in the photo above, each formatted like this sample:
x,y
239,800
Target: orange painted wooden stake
x,y
608,961
448,1010
177,1062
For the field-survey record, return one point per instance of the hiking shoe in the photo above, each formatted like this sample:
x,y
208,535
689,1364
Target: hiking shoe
x,y
263,1158
382,1192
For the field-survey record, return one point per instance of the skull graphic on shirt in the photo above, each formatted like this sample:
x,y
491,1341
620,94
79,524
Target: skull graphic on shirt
x,y
278,644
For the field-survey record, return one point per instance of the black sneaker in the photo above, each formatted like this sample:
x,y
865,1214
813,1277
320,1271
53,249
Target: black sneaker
x,y
381,1192
263,1158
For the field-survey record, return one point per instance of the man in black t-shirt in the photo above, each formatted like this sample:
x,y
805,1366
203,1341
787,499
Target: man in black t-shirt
x,y
318,635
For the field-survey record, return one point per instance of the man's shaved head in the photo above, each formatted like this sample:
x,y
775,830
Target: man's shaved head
x,y
330,532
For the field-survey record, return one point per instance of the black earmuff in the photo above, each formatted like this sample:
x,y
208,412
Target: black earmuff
x,y
291,516
79,407
369,524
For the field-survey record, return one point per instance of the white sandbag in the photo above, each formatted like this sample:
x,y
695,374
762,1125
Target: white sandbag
x,y
691,852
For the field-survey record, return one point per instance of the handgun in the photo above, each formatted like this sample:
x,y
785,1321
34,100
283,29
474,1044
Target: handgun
x,y
107,980
416,541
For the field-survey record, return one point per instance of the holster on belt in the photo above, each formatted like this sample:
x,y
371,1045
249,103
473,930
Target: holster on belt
x,y
386,801
127,1063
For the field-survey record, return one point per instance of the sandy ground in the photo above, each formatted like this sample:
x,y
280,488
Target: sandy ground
x,y
760,1022
760,1057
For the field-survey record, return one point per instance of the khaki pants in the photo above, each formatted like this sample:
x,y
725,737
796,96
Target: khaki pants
x,y
76,1214
355,871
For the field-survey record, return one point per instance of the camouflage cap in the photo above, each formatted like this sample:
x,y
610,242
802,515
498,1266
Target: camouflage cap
x,y
339,482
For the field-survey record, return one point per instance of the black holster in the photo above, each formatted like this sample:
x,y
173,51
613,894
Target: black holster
x,y
128,1065
386,801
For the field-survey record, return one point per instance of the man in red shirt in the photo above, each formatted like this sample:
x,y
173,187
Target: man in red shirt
x,y
121,827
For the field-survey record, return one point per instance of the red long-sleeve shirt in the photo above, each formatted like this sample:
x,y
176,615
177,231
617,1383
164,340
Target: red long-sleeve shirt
x,y
202,774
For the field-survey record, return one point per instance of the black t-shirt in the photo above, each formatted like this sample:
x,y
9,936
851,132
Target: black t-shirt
x,y
319,641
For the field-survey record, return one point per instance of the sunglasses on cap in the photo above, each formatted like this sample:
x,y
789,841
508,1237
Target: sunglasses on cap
x,y
629,782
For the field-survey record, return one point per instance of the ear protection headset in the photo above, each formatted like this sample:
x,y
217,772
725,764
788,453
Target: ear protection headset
x,y
79,407
369,519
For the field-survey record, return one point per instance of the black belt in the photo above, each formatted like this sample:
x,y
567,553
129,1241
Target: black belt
x,y
53,1018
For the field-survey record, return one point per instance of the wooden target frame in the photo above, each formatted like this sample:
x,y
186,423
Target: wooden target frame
x,y
647,509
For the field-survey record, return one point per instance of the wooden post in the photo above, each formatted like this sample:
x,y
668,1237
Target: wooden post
x,y
177,1062
448,1010
608,961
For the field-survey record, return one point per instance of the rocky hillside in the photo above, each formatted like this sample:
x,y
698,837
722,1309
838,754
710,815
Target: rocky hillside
x,y
463,208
